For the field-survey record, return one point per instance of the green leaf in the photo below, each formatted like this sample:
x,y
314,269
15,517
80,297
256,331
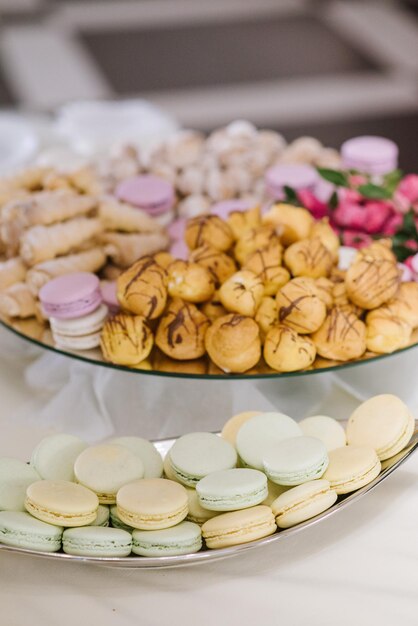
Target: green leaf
x,y
333,201
399,239
334,176
401,252
392,180
408,226
291,196
374,192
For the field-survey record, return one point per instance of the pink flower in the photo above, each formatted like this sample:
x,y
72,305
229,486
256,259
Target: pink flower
x,y
408,187
412,264
350,215
349,195
377,213
355,239
406,194
392,225
407,274
411,244
355,180
310,201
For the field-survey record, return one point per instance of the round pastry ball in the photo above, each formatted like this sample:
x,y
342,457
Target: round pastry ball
x,y
190,281
220,265
309,257
295,223
242,293
323,231
286,351
126,339
142,289
208,229
372,281
256,239
233,343
266,316
300,307
387,334
341,337
181,331
266,264
241,221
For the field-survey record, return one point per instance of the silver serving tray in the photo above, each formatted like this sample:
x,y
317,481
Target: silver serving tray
x,y
206,555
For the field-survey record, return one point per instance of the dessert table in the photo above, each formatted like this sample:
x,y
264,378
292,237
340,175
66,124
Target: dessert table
x,y
357,567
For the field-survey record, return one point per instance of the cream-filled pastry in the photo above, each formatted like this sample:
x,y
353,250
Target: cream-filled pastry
x,y
323,231
309,257
233,343
341,337
256,239
293,223
286,351
190,281
142,289
210,230
372,281
241,221
219,264
242,293
126,339
267,315
266,264
300,307
181,331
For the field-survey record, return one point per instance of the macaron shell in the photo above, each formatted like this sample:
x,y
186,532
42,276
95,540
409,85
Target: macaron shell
x,y
115,520
97,541
196,512
102,516
238,527
351,468
196,455
295,460
61,503
185,538
316,505
54,456
71,295
231,490
80,326
21,530
15,478
88,342
260,432
383,423
153,194
106,468
232,426
152,503
325,428
146,451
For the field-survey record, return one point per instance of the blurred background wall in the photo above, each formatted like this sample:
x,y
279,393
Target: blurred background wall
x,y
332,69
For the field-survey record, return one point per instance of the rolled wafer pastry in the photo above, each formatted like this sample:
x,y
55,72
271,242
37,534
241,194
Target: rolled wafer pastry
x,y
124,217
48,207
11,272
17,301
126,248
41,243
88,261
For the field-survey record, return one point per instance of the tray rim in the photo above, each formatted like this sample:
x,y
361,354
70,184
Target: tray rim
x,y
165,562
80,356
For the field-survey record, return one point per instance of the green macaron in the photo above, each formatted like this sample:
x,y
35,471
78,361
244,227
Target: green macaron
x,y
21,530
296,460
185,538
15,478
233,489
97,541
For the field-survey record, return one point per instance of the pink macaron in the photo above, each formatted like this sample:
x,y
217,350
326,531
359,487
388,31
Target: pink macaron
x,y
297,176
370,154
71,295
108,289
150,193
224,208
179,250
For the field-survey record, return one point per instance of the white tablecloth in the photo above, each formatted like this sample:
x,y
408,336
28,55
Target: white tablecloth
x,y
359,567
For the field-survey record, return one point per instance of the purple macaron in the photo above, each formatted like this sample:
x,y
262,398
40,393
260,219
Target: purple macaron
x,y
150,193
71,295
177,229
370,154
179,250
296,176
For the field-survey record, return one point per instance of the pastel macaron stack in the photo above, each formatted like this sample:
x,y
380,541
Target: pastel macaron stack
x,y
152,194
73,303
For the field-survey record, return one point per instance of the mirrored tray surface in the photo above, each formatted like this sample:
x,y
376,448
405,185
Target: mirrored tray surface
x,y
206,555
203,369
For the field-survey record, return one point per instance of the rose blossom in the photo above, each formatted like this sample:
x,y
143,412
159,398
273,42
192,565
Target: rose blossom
x,y
310,201
355,239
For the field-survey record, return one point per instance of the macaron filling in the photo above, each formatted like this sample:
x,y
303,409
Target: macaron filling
x,y
301,504
241,530
399,443
238,501
354,479
297,477
132,518
58,517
